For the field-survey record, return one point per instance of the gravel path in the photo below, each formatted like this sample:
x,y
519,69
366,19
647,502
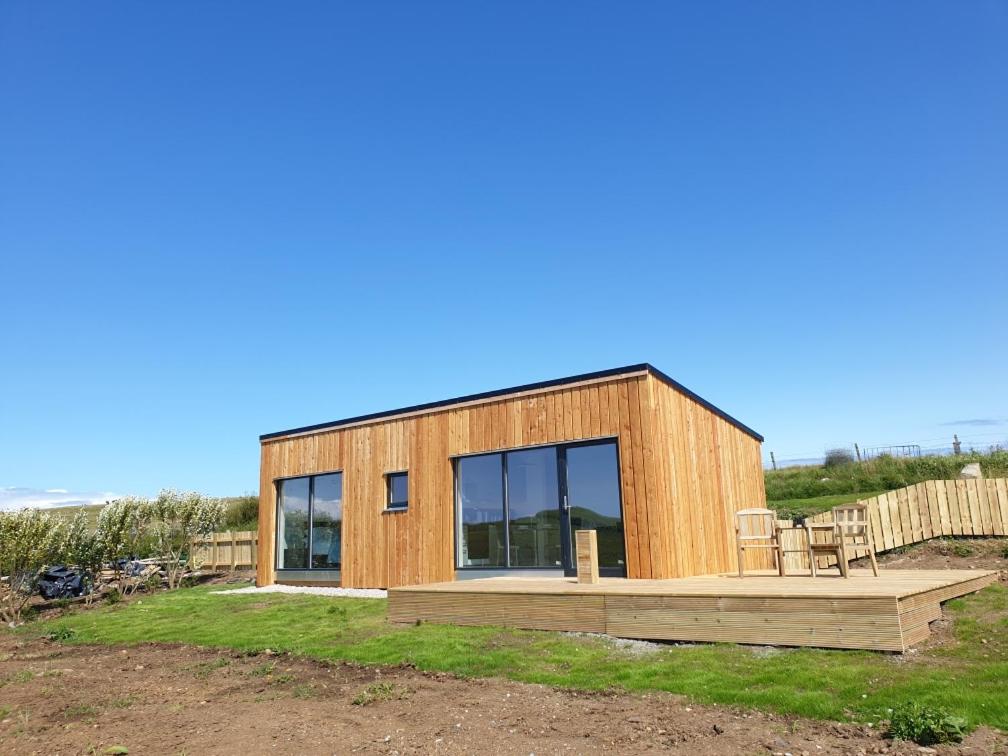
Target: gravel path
x,y
313,590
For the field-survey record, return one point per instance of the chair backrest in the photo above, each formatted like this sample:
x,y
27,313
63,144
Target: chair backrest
x,y
852,519
755,524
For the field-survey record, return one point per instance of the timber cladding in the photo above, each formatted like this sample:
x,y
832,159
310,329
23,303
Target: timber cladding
x,y
685,468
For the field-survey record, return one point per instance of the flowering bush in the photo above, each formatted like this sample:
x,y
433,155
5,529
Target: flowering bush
x,y
174,519
29,540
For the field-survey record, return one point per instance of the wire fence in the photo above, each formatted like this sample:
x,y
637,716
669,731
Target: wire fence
x,y
857,452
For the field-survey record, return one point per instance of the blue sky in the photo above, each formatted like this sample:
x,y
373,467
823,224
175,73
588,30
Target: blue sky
x,y
224,219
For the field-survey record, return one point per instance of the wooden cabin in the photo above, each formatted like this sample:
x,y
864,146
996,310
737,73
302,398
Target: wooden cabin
x,y
495,484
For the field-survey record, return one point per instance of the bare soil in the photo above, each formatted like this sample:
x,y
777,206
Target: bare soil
x,y
164,699
949,554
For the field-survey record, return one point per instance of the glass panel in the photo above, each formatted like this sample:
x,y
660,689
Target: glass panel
x,y
327,521
398,489
534,508
481,511
292,524
594,499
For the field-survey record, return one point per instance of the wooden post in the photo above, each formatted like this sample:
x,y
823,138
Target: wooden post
x,y
234,550
213,552
857,450
254,545
773,461
587,556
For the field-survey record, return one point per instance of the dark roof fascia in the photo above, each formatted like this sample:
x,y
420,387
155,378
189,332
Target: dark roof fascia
x,y
541,385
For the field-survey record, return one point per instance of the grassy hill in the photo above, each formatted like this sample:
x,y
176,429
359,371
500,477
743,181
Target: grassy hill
x,y
801,491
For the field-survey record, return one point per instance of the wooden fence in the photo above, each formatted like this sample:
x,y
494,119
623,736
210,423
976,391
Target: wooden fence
x,y
916,513
229,550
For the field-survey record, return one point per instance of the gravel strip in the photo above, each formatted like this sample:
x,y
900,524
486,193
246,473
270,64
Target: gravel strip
x,y
313,590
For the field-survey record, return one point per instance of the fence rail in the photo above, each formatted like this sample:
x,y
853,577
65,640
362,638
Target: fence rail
x,y
916,513
229,550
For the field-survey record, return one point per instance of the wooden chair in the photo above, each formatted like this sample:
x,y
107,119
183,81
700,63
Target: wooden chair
x,y
843,538
830,542
855,531
758,529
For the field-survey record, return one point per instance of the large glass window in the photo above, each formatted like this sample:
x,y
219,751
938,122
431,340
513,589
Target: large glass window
x,y
327,521
481,512
534,508
292,523
520,508
309,521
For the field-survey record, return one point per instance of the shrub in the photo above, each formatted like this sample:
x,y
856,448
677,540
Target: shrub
x,y
838,458
925,725
29,540
175,520
81,547
120,528
241,513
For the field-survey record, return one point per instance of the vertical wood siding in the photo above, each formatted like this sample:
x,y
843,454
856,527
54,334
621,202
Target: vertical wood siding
x,y
683,472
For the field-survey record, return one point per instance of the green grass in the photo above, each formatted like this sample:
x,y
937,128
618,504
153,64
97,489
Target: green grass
x,y
881,474
968,679
788,509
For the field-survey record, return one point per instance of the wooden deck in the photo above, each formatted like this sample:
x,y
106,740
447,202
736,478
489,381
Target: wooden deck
x,y
887,613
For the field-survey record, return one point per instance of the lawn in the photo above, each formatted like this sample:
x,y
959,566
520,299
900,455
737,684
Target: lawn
x,y
968,677
788,509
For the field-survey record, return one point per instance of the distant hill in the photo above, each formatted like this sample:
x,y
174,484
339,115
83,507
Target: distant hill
x,y
879,474
241,512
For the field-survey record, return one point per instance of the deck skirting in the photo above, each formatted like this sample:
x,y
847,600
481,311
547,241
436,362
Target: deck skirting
x,y
888,613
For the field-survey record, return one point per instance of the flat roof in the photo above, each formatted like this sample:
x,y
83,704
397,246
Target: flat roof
x,y
541,385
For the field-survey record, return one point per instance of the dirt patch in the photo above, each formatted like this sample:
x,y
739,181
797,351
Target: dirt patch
x,y
947,554
174,699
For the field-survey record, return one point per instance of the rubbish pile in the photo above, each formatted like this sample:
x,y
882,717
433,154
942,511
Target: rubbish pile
x,y
62,582
125,575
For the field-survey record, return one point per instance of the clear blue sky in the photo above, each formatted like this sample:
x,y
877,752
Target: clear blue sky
x,y
224,219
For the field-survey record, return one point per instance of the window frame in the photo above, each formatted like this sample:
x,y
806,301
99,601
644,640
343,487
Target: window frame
x,y
311,511
561,448
391,506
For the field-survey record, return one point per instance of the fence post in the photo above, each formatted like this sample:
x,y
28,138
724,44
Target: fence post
x,y
213,552
857,450
254,546
773,461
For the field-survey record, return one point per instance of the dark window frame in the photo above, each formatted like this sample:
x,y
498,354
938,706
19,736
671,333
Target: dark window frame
x,y
311,511
393,506
561,448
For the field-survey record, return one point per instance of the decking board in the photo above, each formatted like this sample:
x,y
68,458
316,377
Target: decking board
x,y
887,613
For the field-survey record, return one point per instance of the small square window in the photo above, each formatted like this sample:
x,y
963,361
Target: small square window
x,y
398,490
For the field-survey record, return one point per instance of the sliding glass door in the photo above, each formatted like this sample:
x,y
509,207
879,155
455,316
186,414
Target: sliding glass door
x,y
519,508
593,500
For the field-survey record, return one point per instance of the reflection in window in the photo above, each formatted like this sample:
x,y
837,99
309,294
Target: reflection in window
x,y
593,495
327,520
534,508
292,524
398,490
481,512
309,520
